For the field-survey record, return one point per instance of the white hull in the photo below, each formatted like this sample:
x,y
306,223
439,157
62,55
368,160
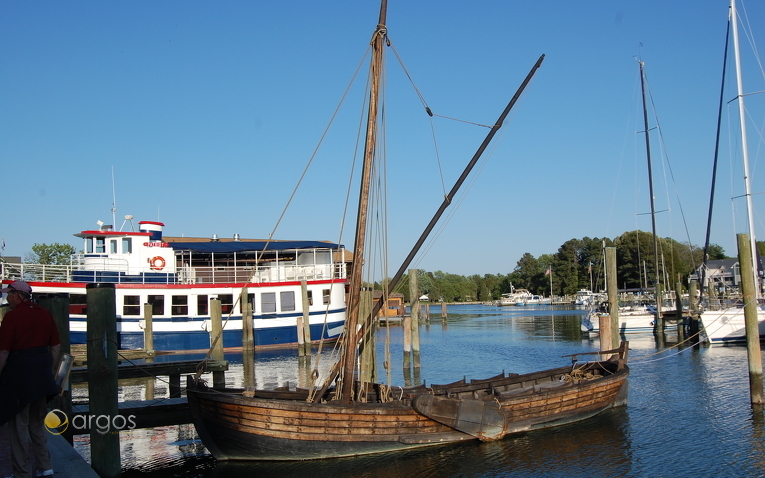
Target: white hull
x,y
727,325
629,323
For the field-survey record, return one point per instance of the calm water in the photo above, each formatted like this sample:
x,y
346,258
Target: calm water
x,y
688,412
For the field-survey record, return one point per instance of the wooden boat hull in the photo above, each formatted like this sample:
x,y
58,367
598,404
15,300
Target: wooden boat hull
x,y
284,426
234,427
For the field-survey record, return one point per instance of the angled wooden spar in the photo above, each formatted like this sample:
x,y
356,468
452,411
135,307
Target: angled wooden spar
x,y
458,184
351,323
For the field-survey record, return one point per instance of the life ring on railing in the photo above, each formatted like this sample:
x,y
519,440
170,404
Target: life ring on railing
x,y
157,263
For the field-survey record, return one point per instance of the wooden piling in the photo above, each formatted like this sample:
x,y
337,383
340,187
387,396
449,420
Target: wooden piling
x,y
414,294
407,330
303,323
427,312
102,377
749,289
148,328
611,339
444,313
248,344
216,340
658,323
693,306
367,347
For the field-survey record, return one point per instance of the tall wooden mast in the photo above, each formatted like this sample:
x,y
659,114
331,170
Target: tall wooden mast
x,y
356,279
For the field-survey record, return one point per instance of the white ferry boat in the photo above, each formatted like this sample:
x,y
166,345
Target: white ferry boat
x,y
177,277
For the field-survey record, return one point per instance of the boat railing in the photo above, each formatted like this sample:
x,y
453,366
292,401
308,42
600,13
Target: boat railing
x,y
120,272
35,272
261,274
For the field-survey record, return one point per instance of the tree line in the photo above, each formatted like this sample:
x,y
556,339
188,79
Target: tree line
x,y
578,264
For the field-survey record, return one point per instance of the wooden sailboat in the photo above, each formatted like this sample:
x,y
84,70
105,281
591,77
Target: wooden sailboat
x,y
345,417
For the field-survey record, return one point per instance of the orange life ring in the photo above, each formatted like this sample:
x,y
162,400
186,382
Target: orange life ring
x,y
157,263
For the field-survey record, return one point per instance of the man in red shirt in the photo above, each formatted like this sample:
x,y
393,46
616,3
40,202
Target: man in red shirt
x,y
29,353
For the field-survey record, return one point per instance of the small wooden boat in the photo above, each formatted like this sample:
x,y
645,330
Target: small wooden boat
x,y
283,425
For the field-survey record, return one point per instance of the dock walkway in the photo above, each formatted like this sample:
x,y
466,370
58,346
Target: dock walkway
x,y
67,463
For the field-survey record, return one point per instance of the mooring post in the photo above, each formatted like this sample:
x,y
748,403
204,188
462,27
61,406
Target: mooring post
x,y
444,313
407,330
216,340
679,308
693,305
248,344
427,312
611,340
303,323
58,306
414,294
749,288
102,377
148,328
367,347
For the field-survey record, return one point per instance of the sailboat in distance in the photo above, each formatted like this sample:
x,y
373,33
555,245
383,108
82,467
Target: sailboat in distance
x,y
347,416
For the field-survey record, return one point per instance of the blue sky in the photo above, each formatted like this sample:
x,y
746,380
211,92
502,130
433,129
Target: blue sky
x,y
208,112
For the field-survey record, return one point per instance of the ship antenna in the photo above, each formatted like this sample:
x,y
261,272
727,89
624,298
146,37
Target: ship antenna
x,y
114,201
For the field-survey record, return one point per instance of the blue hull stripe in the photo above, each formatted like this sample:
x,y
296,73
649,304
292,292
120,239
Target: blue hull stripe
x,y
200,339
200,319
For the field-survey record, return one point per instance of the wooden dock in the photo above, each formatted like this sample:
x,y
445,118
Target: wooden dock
x,y
173,370
143,413
67,463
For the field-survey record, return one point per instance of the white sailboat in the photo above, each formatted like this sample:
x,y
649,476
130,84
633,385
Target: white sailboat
x,y
727,325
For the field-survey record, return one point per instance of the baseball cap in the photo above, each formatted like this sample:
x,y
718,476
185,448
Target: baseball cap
x,y
19,285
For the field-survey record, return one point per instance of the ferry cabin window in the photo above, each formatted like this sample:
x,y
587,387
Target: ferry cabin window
x,y
127,245
113,246
288,301
157,304
89,245
100,245
203,305
226,303
131,305
268,302
180,305
325,296
310,297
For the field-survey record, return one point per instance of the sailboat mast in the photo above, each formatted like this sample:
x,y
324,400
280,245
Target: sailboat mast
x,y
744,147
650,191
356,279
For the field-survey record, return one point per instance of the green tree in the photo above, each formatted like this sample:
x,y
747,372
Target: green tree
x,y
716,252
54,254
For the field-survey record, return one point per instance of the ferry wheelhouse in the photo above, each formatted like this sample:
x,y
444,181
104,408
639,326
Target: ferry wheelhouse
x,y
176,277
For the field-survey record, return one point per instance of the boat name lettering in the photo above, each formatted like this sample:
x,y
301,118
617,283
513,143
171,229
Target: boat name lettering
x,y
156,244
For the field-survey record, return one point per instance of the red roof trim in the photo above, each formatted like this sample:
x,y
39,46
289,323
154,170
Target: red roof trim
x,y
112,233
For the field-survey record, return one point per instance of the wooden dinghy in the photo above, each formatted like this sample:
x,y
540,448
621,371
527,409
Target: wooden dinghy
x,y
283,425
